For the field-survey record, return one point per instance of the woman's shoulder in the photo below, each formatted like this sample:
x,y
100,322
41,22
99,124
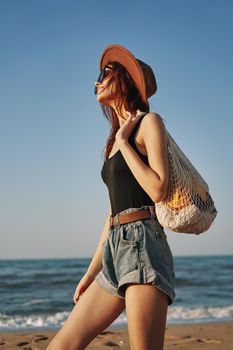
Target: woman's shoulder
x,y
152,123
152,118
152,115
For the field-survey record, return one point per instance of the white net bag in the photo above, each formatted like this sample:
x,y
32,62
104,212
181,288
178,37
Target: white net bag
x,y
188,207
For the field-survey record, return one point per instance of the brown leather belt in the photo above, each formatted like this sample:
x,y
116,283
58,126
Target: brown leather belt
x,y
124,218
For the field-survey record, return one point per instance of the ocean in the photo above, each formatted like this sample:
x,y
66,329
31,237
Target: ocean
x,y
37,294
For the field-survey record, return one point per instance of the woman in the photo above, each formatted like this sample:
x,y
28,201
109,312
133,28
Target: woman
x,y
132,268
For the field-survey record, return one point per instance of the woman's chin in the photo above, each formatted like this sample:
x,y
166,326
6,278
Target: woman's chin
x,y
103,100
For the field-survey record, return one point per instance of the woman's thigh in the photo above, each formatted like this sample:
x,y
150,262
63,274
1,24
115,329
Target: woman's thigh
x,y
146,309
95,311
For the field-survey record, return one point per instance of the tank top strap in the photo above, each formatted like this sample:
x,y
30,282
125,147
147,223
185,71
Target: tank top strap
x,y
133,133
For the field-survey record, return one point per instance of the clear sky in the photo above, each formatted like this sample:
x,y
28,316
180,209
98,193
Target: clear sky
x,y
52,130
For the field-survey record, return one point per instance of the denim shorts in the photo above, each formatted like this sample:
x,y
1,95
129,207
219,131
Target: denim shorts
x,y
137,252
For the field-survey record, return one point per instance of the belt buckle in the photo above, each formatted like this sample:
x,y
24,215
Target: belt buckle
x,y
111,220
117,219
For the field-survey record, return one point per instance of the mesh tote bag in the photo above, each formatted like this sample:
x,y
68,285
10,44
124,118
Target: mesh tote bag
x,y
188,206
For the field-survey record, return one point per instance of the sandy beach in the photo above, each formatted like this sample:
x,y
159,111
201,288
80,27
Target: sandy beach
x,y
208,336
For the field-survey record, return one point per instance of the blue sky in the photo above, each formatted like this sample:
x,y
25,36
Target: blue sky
x,y
52,131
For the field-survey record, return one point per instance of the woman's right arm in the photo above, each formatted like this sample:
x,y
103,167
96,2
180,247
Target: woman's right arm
x,y
95,265
96,262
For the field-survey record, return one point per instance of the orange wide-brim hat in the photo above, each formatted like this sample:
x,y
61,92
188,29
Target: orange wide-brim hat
x,y
141,73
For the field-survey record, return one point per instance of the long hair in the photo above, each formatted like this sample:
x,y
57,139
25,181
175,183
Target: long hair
x,y
128,95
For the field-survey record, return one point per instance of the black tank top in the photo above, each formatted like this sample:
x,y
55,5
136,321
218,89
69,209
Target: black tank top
x,y
124,190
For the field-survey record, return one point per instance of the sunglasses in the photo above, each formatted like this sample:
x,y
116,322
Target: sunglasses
x,y
103,74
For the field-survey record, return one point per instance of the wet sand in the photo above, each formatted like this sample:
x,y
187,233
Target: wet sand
x,y
207,336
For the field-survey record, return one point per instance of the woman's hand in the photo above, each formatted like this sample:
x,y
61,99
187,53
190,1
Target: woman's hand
x,y
126,128
82,286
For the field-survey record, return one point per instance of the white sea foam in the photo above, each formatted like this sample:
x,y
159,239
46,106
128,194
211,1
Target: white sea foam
x,y
176,314
180,313
38,321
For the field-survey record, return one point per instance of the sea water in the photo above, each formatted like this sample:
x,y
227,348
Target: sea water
x,y
38,294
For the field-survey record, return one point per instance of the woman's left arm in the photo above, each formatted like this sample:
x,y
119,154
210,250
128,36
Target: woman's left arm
x,y
153,178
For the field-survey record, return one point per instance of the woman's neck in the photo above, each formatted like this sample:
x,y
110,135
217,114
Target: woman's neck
x,y
122,114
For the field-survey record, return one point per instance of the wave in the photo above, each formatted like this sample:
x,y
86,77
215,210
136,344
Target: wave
x,y
33,302
203,313
176,314
33,321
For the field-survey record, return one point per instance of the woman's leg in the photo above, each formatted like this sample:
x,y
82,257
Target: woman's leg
x,y
146,309
94,312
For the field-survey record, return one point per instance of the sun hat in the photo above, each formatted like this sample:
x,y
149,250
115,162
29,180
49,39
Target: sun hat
x,y
141,73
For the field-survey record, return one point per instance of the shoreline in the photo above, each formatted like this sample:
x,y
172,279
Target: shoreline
x,y
110,328
211,335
